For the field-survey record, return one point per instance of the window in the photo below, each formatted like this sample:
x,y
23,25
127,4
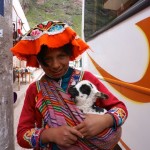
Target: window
x,y
100,15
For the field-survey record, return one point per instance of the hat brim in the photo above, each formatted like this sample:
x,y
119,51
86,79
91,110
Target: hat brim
x,y
27,48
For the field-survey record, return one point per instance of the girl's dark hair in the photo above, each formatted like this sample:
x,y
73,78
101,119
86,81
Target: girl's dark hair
x,y
68,49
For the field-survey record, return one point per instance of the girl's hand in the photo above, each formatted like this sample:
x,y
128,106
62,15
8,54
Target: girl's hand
x,y
94,124
64,135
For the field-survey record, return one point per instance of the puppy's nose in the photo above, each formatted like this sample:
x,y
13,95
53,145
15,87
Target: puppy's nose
x,y
73,91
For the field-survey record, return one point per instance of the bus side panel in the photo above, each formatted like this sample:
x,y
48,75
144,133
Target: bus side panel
x,y
120,57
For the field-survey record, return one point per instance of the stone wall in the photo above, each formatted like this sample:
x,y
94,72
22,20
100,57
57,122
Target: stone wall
x,y
6,80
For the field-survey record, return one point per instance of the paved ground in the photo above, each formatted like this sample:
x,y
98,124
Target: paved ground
x,y
20,100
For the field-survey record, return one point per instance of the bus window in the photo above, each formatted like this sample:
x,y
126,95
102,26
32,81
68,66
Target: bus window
x,y
99,14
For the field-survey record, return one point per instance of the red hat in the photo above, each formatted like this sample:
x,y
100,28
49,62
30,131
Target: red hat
x,y
54,34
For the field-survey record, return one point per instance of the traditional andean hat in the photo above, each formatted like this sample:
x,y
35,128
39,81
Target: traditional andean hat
x,y
54,34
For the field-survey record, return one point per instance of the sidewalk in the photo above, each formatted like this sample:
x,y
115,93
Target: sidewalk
x,y
20,100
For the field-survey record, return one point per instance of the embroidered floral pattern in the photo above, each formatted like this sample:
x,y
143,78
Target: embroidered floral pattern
x,y
35,32
32,136
56,28
119,115
47,27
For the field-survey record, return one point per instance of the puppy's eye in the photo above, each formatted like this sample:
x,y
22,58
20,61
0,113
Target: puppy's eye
x,y
91,85
81,95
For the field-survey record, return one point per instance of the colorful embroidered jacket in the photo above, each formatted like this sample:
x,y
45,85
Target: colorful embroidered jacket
x,y
31,122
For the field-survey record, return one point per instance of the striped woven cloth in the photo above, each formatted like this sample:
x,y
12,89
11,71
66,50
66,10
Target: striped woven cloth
x,y
58,109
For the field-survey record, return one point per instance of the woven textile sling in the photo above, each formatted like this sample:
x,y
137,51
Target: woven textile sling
x,y
58,109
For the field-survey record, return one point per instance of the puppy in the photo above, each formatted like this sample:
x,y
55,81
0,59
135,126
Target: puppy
x,y
85,94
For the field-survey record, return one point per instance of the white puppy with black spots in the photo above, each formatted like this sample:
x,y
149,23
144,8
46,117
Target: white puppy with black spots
x,y
85,95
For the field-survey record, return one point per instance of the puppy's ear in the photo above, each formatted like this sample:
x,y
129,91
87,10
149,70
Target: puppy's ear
x,y
85,89
101,95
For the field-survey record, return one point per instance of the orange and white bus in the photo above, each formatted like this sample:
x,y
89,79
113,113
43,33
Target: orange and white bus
x,y
118,32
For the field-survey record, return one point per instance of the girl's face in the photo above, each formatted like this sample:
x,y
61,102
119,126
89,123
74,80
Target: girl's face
x,y
57,63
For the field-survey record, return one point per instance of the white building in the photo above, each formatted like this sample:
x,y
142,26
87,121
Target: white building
x,y
20,27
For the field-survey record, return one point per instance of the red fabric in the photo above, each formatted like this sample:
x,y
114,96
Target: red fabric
x,y
30,115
